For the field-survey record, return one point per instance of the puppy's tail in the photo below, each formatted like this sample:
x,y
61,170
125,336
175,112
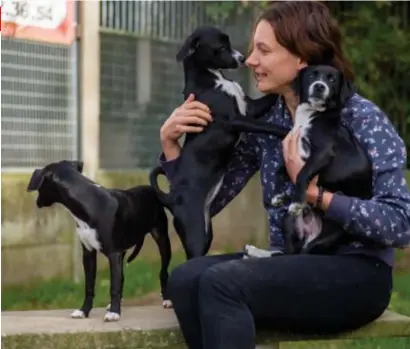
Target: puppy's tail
x,y
133,254
153,179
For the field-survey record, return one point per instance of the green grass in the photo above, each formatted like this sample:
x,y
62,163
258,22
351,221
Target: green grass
x,y
141,278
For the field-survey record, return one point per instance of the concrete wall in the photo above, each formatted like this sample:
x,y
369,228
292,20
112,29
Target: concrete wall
x,y
38,244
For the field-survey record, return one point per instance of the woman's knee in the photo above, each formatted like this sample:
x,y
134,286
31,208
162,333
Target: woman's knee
x,y
223,279
185,277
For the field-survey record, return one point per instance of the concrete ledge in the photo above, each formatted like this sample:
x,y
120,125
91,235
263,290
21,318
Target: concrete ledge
x,y
143,327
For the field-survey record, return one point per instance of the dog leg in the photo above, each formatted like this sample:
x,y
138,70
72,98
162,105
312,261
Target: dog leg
x,y
239,125
312,167
160,235
260,106
90,272
115,261
122,282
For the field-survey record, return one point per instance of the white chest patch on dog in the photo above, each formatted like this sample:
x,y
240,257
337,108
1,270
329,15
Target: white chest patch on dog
x,y
87,235
303,120
232,88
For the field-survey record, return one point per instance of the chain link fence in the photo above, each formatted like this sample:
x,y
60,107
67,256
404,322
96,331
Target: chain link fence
x,y
141,82
39,103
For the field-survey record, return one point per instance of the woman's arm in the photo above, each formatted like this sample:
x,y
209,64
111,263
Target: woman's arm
x,y
243,165
386,217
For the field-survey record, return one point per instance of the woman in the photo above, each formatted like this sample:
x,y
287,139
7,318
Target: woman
x,y
218,299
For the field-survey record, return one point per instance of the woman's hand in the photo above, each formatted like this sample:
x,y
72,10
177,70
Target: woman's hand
x,y
191,117
294,162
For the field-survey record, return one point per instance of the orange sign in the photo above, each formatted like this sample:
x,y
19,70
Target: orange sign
x,y
41,20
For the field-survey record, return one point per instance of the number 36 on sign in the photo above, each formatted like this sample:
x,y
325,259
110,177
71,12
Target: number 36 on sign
x,y
33,19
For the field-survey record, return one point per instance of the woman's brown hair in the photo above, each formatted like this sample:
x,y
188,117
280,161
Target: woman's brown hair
x,y
307,30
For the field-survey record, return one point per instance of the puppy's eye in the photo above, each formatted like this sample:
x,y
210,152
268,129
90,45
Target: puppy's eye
x,y
222,49
331,78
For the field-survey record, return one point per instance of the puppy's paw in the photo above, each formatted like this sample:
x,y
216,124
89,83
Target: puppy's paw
x,y
77,314
278,200
167,304
111,317
296,209
254,252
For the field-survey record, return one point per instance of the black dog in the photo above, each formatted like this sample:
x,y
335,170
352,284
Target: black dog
x,y
329,150
108,220
204,157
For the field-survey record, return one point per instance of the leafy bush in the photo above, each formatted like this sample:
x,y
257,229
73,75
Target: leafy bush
x,y
378,44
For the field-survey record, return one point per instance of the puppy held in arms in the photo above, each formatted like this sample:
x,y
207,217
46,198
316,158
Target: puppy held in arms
x,y
331,152
205,156
109,221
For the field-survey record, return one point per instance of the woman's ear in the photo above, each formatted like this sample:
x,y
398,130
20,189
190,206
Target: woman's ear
x,y
301,64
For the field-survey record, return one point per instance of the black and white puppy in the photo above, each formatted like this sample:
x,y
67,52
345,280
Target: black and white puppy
x,y
108,220
329,150
204,157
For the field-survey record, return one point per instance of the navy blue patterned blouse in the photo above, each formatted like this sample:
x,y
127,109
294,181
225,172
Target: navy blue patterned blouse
x,y
384,218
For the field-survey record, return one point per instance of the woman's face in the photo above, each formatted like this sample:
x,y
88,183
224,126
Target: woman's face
x,y
273,65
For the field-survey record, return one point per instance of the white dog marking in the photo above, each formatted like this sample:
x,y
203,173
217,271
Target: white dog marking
x,y
303,120
87,235
110,317
78,314
167,304
296,209
232,88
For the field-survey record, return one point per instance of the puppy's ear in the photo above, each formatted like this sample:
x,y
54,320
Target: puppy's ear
x,y
347,89
297,81
78,165
188,48
36,180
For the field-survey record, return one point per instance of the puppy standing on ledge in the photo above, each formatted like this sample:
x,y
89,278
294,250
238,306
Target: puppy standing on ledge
x,y
108,220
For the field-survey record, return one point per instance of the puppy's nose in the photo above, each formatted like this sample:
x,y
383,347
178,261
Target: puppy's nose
x,y
319,87
239,57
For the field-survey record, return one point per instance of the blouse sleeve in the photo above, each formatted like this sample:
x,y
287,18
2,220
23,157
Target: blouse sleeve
x,y
385,217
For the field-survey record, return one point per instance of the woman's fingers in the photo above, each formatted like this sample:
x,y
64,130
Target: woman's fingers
x,y
189,129
195,120
197,105
285,145
190,98
196,114
293,144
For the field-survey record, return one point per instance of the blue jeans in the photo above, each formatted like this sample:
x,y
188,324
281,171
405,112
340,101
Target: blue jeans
x,y
219,299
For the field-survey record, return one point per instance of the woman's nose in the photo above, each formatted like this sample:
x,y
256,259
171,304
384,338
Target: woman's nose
x,y
251,61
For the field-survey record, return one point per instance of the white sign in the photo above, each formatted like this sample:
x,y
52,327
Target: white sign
x,y
45,14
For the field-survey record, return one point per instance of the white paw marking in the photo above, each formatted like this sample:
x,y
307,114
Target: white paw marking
x,y
295,209
254,252
109,316
167,304
78,314
278,200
